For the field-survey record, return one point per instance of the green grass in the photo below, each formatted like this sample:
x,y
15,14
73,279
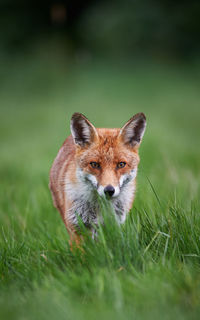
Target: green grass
x,y
149,267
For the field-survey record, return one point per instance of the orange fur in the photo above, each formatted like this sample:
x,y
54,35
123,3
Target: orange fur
x,y
73,179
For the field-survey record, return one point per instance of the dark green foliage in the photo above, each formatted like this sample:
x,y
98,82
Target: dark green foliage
x,y
117,28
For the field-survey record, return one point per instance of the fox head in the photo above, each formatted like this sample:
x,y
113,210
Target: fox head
x,y
107,159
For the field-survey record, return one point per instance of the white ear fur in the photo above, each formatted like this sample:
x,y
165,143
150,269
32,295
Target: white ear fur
x,y
133,131
83,132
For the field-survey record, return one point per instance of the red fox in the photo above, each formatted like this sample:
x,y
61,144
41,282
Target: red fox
x,y
95,161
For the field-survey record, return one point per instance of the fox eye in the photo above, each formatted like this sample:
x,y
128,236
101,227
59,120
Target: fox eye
x,y
95,165
121,164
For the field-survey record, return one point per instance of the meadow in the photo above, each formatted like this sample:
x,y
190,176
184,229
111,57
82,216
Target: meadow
x,y
149,268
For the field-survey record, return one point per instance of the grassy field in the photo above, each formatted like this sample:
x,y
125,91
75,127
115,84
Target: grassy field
x,y
148,268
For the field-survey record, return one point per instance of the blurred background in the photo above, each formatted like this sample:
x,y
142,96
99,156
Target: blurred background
x,y
85,29
108,60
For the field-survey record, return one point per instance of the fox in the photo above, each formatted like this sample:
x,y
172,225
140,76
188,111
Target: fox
x,y
95,162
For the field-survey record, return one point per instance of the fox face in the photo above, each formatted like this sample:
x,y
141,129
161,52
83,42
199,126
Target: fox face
x,y
107,159
108,165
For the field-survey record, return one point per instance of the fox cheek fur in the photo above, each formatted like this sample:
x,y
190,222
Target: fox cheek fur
x,y
92,161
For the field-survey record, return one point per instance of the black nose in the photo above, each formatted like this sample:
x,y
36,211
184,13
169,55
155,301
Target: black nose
x,y
109,190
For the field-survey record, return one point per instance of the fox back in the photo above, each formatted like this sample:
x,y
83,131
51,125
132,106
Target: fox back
x,y
96,162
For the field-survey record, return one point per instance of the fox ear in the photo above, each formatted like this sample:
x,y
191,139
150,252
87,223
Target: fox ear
x,y
82,130
133,130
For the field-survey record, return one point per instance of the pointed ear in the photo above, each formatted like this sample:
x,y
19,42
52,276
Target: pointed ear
x,y
133,131
83,132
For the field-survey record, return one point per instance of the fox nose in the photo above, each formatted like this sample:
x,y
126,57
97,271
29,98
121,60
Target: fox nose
x,y
109,190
